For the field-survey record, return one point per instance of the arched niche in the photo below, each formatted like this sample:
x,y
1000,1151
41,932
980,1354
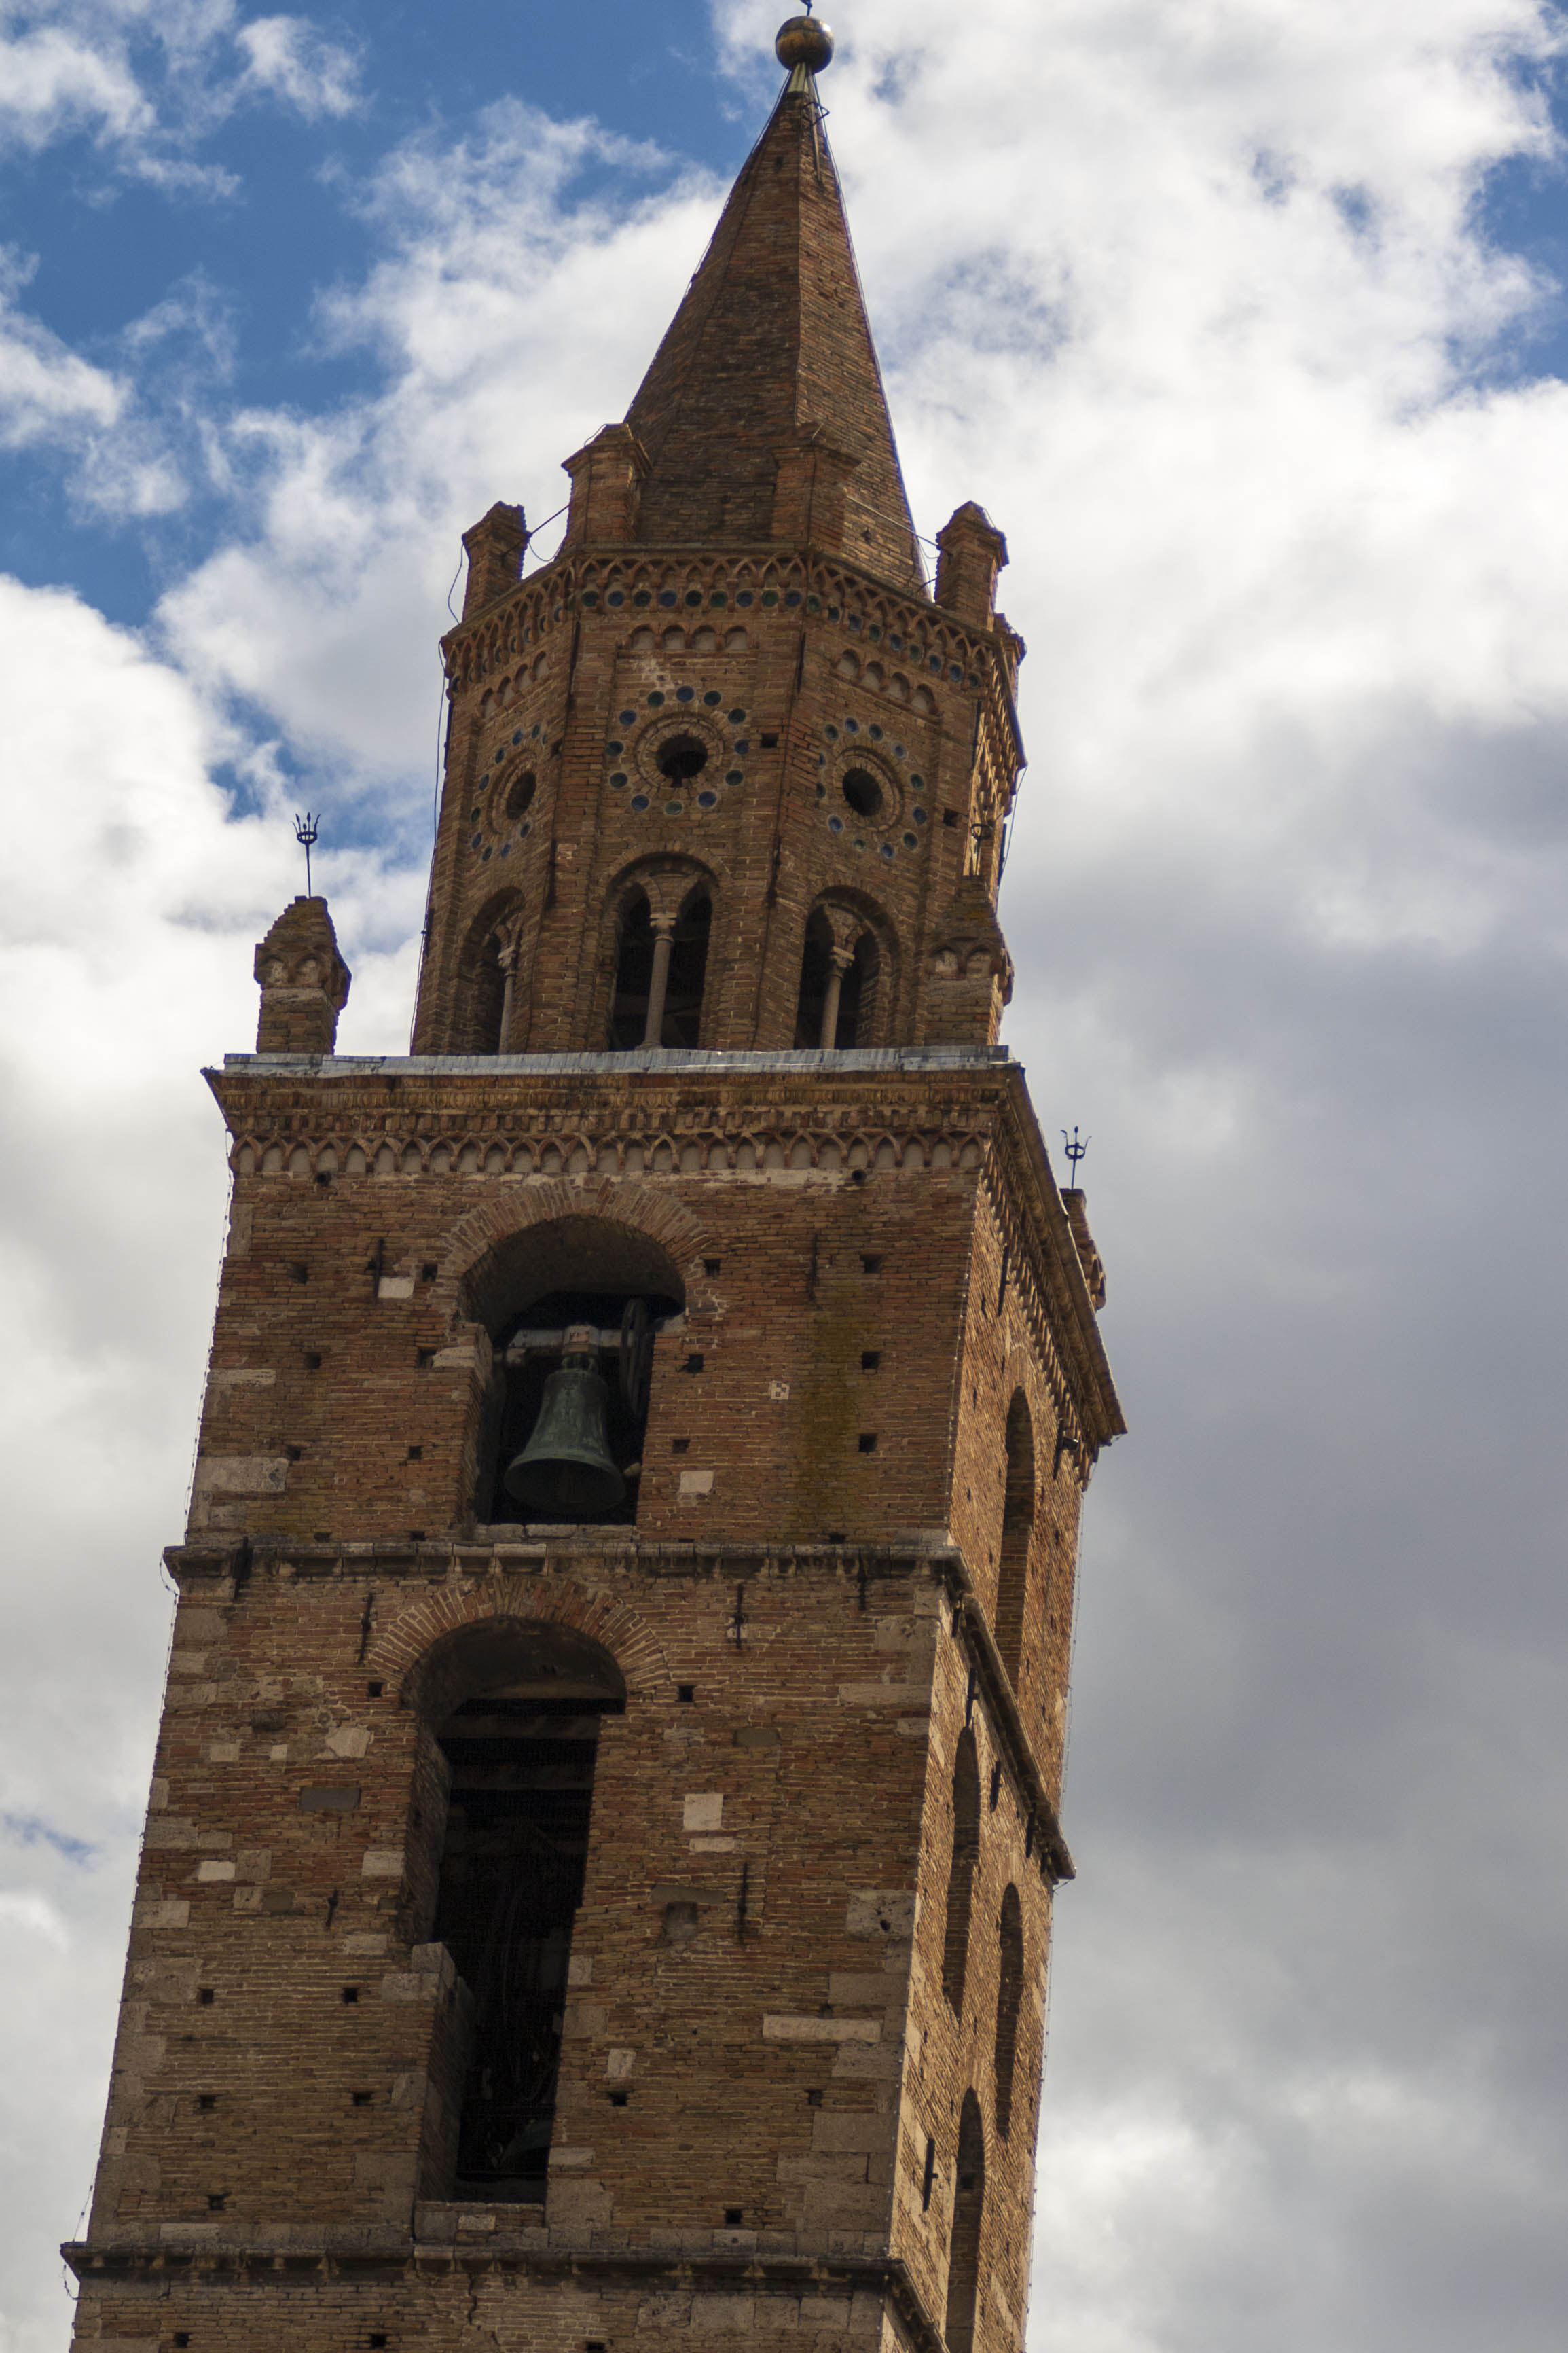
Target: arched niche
x,y
846,975
961,1867
486,970
1017,1534
1009,1992
963,2243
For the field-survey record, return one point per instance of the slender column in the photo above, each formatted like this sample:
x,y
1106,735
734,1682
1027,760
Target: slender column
x,y
658,987
509,966
842,960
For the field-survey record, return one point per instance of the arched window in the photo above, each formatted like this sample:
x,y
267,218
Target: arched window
x,y
490,999
486,981
661,966
1017,1530
572,1308
682,1021
1009,1991
634,974
963,2247
960,1871
840,968
513,1709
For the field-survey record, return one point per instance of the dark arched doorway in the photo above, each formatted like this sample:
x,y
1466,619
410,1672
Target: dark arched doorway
x,y
515,1709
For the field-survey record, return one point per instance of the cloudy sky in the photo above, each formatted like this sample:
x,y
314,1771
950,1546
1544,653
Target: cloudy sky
x,y
1246,321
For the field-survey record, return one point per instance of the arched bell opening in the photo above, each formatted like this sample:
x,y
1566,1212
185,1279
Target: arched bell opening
x,y
486,978
634,974
661,969
573,1309
1017,1533
841,972
489,1000
514,1710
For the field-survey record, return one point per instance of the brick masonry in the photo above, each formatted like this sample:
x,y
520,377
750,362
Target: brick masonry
x,y
824,1836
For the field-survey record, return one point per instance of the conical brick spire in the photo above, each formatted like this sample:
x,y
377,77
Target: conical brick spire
x,y
762,415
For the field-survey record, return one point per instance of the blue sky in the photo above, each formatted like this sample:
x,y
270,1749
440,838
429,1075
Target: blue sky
x,y
195,250
1245,319
241,208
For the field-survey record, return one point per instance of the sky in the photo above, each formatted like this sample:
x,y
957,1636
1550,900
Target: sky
x,y
1246,322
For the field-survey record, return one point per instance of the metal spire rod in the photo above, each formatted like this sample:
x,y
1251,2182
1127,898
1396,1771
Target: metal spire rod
x,y
307,831
1075,1152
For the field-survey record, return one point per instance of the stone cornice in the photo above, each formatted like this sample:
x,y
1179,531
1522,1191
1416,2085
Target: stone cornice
x,y
486,1554
649,1062
571,583
843,1117
347,2258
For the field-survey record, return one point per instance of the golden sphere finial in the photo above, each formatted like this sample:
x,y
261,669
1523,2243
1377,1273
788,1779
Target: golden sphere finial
x,y
803,42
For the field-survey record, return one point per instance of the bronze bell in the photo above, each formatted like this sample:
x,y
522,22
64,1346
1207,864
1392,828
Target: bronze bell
x,y
566,1470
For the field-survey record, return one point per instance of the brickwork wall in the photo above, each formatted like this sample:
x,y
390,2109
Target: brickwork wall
x,y
487,2295
838,1220
948,2054
790,670
789,2063
1001,1354
277,1875
791,2060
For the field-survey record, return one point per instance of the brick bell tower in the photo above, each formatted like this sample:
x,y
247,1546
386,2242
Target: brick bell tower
x,y
598,1875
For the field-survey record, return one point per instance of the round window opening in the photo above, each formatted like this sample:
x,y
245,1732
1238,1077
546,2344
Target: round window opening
x,y
862,792
682,757
520,792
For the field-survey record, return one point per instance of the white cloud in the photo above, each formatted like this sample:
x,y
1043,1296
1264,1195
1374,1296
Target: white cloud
x,y
47,393
289,59
325,612
32,1914
146,81
52,83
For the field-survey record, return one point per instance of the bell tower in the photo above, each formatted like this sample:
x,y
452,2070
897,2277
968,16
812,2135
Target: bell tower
x,y
598,1874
